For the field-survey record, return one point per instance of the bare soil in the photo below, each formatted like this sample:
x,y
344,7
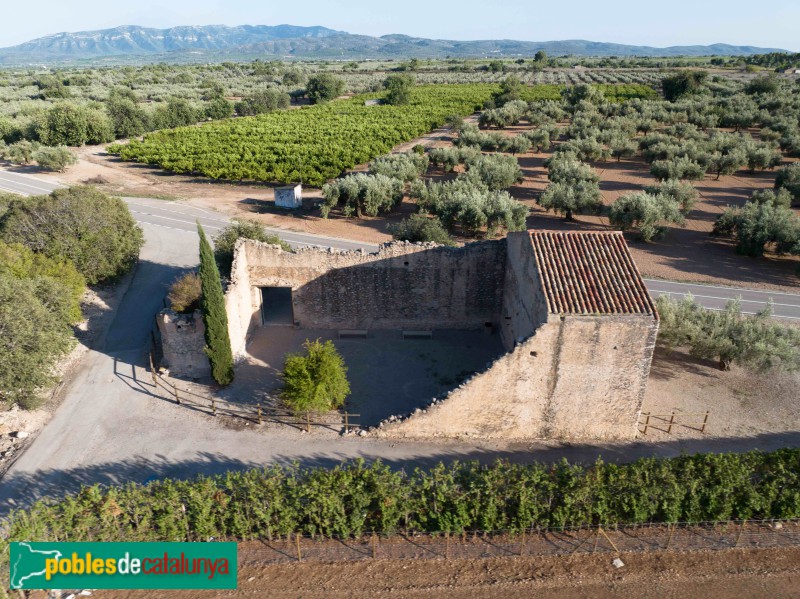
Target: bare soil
x,y
740,403
732,574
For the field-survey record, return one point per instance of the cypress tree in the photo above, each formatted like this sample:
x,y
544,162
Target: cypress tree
x,y
212,304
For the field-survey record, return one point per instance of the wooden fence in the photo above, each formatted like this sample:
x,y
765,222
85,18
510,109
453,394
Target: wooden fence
x,y
257,414
665,423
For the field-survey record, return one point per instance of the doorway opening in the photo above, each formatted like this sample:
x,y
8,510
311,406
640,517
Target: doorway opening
x,y
276,306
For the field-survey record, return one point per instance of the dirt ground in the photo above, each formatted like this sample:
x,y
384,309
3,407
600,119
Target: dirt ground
x,y
732,574
740,403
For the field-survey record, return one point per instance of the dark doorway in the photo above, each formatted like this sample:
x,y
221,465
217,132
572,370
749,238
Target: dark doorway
x,y
276,306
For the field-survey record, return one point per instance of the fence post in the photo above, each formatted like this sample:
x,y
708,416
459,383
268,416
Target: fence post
x,y
297,543
522,544
345,423
308,421
177,397
259,412
671,421
705,421
669,538
608,538
596,540
741,530
447,545
213,407
646,423
152,368
374,546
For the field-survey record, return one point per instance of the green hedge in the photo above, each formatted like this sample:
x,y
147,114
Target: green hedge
x,y
357,498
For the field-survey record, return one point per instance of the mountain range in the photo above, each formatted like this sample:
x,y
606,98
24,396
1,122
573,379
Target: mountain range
x,y
221,42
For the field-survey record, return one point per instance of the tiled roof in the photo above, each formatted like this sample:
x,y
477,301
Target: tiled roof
x,y
589,273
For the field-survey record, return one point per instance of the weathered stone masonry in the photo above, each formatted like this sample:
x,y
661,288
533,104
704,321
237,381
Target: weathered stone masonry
x,y
571,309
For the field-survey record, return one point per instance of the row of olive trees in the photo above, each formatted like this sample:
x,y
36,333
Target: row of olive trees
x,y
756,342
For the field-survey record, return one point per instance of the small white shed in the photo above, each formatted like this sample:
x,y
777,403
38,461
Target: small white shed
x,y
289,196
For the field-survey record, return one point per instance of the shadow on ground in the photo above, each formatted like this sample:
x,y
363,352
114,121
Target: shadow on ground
x,y
28,488
388,374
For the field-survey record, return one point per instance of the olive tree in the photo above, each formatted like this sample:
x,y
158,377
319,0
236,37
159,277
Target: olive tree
x,y
362,194
755,225
647,212
54,159
324,87
755,342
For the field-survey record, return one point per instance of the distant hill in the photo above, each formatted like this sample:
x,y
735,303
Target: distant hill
x,y
220,42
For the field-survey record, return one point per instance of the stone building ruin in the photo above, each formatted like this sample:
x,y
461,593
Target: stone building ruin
x,y
575,318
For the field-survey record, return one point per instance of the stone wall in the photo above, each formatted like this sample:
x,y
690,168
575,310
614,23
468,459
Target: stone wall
x,y
402,286
575,377
182,343
566,376
524,304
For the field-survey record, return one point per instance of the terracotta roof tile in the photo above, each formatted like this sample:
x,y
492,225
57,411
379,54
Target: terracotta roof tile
x,y
589,273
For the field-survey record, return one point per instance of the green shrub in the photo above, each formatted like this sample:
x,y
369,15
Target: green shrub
x,y
324,87
20,262
399,89
421,228
315,379
55,159
225,242
34,315
185,293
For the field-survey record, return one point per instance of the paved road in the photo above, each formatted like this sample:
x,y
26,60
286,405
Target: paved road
x,y
784,305
180,217
26,185
177,216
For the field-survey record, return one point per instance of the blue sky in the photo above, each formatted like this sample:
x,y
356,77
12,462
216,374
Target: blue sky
x,y
641,22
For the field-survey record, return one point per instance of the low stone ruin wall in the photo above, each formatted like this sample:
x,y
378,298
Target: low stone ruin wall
x,y
182,343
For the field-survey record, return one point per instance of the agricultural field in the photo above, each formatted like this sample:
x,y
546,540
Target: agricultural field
x,y
318,143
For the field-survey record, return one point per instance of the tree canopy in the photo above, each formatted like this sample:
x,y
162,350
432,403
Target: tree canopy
x,y
82,224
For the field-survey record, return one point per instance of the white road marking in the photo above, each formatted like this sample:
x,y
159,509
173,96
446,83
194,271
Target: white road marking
x,y
28,185
730,299
703,285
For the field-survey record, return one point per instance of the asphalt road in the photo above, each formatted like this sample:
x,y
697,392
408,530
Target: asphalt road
x,y
784,305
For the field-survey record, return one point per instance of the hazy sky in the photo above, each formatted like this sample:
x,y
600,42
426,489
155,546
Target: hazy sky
x,y
642,22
